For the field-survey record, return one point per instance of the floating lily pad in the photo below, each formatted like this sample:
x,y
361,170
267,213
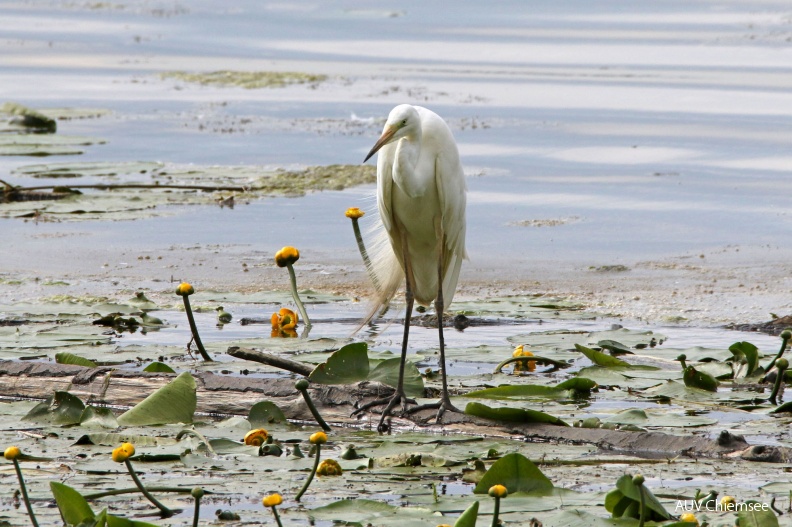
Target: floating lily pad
x,y
638,417
265,413
601,359
60,408
517,473
348,365
515,415
173,403
575,385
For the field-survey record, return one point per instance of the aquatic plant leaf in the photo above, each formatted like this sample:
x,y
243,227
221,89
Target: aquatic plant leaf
x,y
784,408
757,516
69,358
515,472
698,379
158,367
387,372
348,365
747,353
578,385
638,417
601,359
60,408
265,413
73,507
615,347
95,416
412,459
469,517
93,169
115,439
173,403
517,415
361,512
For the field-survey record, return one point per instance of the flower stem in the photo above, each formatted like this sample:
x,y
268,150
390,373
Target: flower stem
x,y
496,512
777,386
166,512
25,494
784,342
312,474
642,513
297,300
364,254
313,410
197,512
194,329
277,516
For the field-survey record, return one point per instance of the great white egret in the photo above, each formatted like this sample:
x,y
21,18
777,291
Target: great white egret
x,y
421,199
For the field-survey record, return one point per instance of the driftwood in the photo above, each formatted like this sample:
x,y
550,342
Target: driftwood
x,y
221,394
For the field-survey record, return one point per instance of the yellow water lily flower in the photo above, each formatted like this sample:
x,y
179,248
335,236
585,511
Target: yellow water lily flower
x,y
185,289
689,517
256,437
354,213
319,438
329,467
286,256
498,491
272,500
284,319
11,453
124,452
520,352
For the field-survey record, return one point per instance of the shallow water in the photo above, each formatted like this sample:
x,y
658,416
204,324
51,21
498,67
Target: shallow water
x,y
656,130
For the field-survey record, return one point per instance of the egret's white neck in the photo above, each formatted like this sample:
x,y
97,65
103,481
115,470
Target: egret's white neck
x,y
408,150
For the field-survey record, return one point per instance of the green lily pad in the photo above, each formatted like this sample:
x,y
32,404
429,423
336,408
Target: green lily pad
x,y
71,504
601,359
387,372
173,403
68,358
93,416
469,516
518,415
638,417
759,515
60,408
576,385
348,365
747,353
359,512
158,367
517,473
265,413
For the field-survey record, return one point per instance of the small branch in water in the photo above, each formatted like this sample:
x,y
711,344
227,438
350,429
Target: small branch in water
x,y
270,360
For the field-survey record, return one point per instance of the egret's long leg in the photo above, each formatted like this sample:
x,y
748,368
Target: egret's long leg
x,y
399,395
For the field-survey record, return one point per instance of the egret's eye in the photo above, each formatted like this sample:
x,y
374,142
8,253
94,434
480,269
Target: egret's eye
x,y
404,122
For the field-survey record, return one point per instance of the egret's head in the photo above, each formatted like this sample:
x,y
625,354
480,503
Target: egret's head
x,y
402,121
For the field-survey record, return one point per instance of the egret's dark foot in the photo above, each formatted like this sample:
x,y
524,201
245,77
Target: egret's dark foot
x,y
390,402
441,406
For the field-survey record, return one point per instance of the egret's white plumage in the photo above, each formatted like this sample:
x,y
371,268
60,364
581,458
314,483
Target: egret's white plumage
x,y
421,199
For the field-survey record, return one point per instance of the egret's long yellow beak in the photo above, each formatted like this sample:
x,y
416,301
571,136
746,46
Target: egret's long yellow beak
x,y
384,139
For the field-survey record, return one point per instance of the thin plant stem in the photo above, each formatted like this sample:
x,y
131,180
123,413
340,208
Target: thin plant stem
x,y
194,330
642,514
197,512
496,512
300,306
312,474
166,512
277,516
364,254
313,410
25,494
784,342
777,386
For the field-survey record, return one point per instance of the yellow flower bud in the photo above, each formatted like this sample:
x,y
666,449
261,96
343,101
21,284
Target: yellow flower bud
x,y
272,500
498,491
286,256
185,289
256,437
124,452
329,467
728,503
319,438
689,517
354,213
284,319
11,453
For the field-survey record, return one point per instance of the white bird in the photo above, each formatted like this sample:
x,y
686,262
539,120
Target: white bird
x,y
421,199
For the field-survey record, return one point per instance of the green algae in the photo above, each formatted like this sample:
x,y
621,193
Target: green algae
x,y
245,79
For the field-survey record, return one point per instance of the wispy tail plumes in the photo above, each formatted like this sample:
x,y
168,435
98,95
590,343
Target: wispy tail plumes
x,y
385,267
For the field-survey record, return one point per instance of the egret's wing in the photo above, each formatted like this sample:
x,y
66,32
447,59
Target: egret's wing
x,y
451,190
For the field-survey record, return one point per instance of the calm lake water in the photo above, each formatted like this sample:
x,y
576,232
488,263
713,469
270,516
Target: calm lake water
x,y
641,130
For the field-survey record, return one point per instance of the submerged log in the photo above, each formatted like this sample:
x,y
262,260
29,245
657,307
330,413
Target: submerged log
x,y
227,395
